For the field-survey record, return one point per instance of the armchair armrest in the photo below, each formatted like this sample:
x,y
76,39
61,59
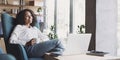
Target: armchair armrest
x,y
7,57
18,51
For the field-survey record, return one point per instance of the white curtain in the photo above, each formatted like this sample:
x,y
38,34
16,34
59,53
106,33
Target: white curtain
x,y
106,26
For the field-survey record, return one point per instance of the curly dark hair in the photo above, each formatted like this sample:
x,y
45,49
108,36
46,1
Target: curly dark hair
x,y
20,17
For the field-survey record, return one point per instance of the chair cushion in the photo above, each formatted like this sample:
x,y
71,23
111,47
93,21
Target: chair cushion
x,y
7,24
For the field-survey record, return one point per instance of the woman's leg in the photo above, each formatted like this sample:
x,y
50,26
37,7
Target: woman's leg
x,y
40,49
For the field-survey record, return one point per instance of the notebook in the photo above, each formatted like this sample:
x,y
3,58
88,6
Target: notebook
x,y
77,44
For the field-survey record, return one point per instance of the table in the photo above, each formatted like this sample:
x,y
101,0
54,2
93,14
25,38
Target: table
x,y
81,57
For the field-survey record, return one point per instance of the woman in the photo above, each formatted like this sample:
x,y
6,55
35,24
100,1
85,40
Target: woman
x,y
36,43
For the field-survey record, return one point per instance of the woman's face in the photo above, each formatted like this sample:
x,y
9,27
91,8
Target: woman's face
x,y
28,17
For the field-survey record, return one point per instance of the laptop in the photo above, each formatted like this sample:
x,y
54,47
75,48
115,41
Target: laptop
x,y
77,44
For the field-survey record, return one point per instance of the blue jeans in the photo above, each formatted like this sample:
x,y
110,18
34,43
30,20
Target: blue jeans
x,y
38,50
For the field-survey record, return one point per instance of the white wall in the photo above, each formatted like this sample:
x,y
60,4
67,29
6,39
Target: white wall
x,y
106,26
118,28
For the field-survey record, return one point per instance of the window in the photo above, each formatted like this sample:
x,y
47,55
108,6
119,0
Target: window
x,y
58,13
62,20
78,14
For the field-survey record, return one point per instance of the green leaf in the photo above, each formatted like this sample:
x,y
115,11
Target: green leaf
x,y
39,9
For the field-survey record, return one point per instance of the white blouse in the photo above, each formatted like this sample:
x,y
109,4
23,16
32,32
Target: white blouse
x,y
23,34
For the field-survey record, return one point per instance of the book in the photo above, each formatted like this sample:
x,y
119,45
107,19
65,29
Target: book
x,y
96,53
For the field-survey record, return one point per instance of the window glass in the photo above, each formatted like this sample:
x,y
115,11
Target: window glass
x,y
63,18
58,14
78,14
49,15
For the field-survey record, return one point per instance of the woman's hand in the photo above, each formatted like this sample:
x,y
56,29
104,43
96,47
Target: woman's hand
x,y
31,42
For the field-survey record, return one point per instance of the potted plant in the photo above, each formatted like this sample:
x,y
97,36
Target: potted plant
x,y
39,10
81,28
52,34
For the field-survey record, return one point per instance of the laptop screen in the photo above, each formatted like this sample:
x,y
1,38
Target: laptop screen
x,y
77,43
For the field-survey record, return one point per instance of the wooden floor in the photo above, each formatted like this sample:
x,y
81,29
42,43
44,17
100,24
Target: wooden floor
x,y
2,44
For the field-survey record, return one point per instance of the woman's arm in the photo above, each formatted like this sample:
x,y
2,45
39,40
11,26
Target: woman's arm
x,y
41,36
15,34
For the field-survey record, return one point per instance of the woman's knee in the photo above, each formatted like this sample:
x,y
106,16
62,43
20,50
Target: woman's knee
x,y
57,42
